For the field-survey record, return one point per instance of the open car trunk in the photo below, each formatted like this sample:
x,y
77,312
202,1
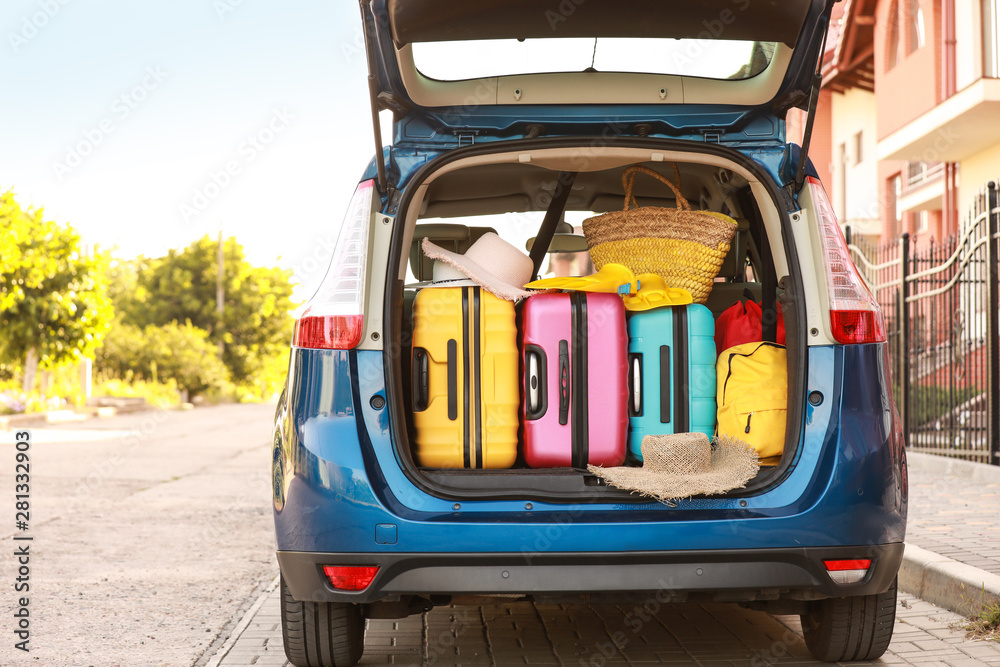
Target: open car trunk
x,y
507,189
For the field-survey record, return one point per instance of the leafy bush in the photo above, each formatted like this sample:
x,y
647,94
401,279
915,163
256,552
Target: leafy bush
x,y
928,403
13,402
174,352
161,395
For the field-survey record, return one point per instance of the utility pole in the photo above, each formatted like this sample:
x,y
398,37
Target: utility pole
x,y
219,293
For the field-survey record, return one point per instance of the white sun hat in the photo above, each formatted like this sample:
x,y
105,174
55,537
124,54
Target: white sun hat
x,y
446,275
490,262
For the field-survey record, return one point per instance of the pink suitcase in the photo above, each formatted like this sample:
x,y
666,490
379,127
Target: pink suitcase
x,y
574,349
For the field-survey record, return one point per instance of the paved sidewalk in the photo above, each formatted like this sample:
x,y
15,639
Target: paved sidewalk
x,y
953,550
678,634
952,536
953,514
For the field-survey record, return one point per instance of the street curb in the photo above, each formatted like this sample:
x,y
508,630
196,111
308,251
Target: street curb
x,y
11,422
933,464
943,581
243,624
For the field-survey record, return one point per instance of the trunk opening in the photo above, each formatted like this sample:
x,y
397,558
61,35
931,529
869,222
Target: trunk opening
x,y
506,189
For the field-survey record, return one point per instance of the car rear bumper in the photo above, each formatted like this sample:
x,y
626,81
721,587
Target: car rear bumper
x,y
726,575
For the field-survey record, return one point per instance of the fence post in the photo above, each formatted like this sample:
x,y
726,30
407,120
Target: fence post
x,y
904,336
993,323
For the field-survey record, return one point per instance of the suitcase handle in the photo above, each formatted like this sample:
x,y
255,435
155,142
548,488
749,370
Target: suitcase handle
x,y
421,388
453,379
564,382
665,384
636,385
535,385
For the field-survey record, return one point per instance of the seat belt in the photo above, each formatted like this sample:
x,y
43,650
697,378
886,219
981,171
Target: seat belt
x,y
564,185
769,278
768,287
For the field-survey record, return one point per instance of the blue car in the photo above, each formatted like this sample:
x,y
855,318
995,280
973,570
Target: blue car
x,y
519,118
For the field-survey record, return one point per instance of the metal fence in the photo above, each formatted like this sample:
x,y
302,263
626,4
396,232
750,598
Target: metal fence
x,y
941,304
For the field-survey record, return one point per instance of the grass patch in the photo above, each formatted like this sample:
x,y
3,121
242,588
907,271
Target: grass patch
x,y
163,395
984,624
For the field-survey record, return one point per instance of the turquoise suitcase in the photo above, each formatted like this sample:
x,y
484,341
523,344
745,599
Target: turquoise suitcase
x,y
671,373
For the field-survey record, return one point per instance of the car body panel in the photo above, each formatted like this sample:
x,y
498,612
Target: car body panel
x,y
341,477
778,160
728,575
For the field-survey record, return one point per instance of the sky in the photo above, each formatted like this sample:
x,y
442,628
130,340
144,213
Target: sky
x,y
148,124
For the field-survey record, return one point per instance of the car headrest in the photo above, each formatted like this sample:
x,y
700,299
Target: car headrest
x,y
456,238
735,259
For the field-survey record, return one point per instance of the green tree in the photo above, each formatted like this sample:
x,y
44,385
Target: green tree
x,y
255,324
53,303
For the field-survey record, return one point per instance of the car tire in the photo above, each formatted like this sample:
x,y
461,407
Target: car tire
x,y
321,634
850,628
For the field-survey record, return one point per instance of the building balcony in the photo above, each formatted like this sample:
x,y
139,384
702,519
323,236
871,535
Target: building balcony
x,y
961,126
923,187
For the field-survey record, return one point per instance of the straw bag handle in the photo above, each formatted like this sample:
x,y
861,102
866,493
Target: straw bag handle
x,y
628,181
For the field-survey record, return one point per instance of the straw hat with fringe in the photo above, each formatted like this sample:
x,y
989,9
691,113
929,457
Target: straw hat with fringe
x,y
684,465
490,262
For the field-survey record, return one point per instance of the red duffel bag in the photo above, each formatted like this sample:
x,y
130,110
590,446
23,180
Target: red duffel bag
x,y
741,323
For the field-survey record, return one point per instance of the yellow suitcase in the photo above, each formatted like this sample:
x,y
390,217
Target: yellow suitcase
x,y
466,394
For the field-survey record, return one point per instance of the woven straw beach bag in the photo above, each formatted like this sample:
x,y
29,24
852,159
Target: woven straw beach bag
x,y
685,247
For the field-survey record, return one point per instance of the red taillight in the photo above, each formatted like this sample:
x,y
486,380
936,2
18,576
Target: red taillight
x,y
854,314
857,326
350,577
847,571
333,318
856,564
329,332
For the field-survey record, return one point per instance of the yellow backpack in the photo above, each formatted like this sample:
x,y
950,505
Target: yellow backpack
x,y
753,396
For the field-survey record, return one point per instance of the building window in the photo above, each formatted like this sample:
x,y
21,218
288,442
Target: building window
x,y
894,192
916,21
923,222
893,39
858,150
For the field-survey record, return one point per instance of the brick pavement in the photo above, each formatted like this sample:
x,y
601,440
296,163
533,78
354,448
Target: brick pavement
x,y
952,512
578,635
953,515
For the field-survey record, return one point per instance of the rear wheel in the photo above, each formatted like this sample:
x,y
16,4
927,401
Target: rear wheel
x,y
321,634
851,628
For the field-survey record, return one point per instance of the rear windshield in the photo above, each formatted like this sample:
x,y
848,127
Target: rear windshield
x,y
712,59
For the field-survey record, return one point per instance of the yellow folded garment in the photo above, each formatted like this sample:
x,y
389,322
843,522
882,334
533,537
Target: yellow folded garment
x,y
643,292
613,279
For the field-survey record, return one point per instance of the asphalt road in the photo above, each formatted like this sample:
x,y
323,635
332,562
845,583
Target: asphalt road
x,y
150,532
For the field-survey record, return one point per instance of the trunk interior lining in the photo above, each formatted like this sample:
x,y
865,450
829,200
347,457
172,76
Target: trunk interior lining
x,y
700,180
